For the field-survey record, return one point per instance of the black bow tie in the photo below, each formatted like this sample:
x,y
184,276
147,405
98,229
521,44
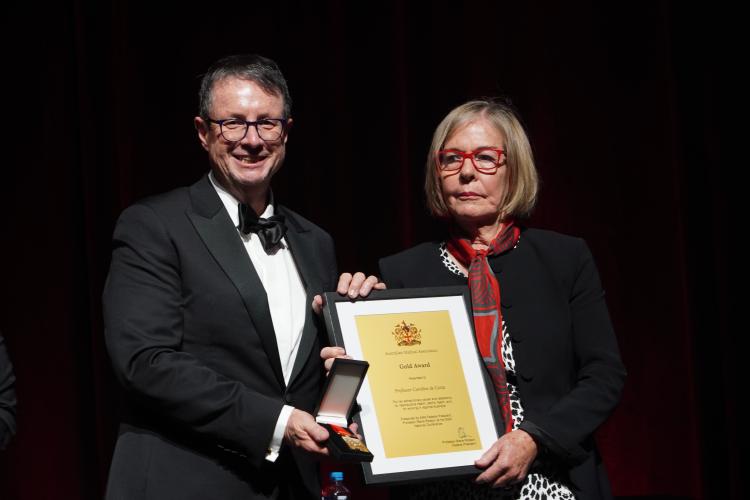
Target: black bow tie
x,y
270,231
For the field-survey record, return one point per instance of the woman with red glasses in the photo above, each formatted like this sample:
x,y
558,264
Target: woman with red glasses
x,y
547,342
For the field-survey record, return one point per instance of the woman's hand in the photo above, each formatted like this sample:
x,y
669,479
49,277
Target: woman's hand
x,y
507,462
353,286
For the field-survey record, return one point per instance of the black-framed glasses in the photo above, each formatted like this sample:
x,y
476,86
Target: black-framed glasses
x,y
485,160
235,129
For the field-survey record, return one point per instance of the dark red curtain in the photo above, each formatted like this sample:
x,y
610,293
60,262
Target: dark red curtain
x,y
628,107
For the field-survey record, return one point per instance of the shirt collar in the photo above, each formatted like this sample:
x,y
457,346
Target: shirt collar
x,y
231,203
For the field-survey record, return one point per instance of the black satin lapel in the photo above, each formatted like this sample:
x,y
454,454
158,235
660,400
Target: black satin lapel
x,y
302,247
225,245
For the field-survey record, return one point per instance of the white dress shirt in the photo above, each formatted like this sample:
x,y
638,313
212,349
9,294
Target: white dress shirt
x,y
286,299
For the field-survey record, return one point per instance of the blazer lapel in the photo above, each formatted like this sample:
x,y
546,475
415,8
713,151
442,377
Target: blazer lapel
x,y
215,228
302,247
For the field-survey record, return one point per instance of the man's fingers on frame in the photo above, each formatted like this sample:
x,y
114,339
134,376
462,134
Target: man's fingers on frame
x,y
344,280
356,284
369,284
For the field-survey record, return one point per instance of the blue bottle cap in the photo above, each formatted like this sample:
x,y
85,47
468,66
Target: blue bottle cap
x,y
337,476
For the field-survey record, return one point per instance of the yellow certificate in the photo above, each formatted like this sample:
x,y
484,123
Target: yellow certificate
x,y
427,408
418,384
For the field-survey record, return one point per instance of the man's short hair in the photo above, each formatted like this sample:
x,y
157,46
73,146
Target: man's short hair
x,y
523,180
261,70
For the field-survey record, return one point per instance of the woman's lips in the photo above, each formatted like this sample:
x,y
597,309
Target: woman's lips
x,y
467,195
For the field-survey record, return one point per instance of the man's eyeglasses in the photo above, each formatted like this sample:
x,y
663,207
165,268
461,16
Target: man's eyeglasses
x,y
485,160
234,129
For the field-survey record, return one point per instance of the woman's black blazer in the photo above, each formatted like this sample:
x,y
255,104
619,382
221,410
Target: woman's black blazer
x,y
569,371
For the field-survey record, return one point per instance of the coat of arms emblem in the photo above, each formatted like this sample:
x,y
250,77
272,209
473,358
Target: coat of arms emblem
x,y
407,335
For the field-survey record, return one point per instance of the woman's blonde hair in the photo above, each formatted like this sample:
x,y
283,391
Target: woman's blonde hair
x,y
523,182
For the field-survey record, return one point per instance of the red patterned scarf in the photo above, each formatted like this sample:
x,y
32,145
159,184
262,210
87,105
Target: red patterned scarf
x,y
485,302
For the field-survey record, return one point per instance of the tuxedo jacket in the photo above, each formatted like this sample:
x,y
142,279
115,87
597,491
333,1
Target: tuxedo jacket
x,y
567,362
190,336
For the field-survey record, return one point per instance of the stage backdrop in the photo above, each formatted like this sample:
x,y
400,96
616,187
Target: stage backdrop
x,y
626,106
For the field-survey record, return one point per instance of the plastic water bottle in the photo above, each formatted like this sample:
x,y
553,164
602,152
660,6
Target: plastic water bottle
x,y
336,490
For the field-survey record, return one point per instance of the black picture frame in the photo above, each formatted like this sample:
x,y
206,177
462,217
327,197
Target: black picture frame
x,y
372,473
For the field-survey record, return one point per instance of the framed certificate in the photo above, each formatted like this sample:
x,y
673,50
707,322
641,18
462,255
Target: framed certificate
x,y
427,406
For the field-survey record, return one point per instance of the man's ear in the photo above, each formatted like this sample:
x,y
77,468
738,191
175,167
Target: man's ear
x,y
288,127
202,127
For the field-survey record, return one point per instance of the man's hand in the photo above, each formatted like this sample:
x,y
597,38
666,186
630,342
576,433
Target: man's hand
x,y
357,285
328,354
303,432
353,286
507,462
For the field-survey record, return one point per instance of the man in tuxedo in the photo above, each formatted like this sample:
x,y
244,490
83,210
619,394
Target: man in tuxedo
x,y
209,314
